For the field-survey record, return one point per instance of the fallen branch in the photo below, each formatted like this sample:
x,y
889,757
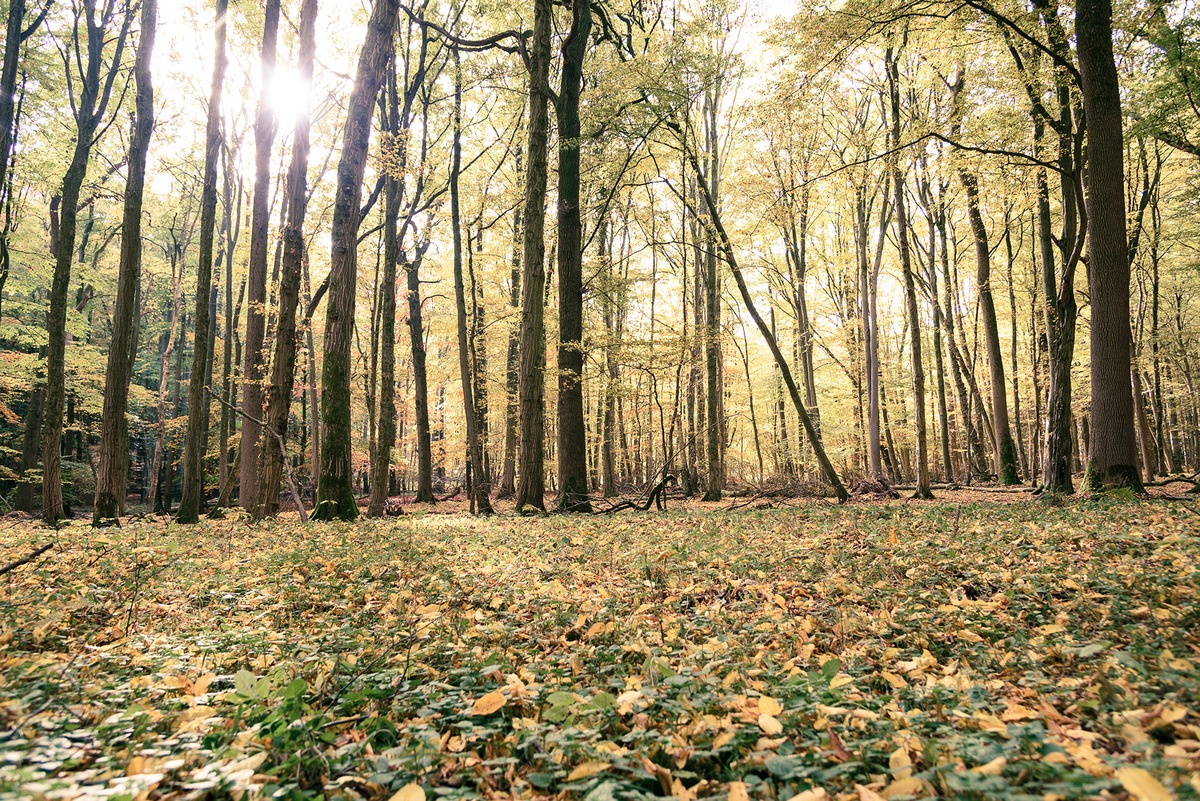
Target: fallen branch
x,y
287,467
11,566
655,497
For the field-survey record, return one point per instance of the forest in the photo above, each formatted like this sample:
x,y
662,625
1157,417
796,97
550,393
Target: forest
x,y
575,253
599,399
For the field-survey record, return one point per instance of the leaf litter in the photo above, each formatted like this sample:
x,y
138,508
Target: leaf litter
x,y
980,650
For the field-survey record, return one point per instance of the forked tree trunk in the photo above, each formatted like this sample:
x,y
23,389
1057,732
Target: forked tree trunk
x,y
283,365
335,488
113,469
192,500
249,455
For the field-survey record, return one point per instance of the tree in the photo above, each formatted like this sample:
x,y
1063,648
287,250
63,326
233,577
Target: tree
x,y
192,501
113,468
475,467
892,60
1113,449
335,490
95,76
283,365
249,455
572,430
531,464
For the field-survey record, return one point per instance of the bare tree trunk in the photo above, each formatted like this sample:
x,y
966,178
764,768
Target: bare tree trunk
x,y
1112,452
335,488
250,453
910,290
572,431
531,464
480,503
192,501
112,472
283,366
508,470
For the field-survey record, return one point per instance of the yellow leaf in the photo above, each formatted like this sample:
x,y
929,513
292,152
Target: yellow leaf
x,y
867,794
737,792
768,705
907,786
770,724
1142,786
841,680
585,770
1018,712
993,768
201,685
815,794
409,792
489,703
900,763
897,682
136,767
722,739
681,792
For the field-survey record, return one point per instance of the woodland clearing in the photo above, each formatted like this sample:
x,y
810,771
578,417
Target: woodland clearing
x,y
961,648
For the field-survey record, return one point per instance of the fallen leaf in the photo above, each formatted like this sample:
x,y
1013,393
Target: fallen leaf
x,y
489,703
409,792
1142,786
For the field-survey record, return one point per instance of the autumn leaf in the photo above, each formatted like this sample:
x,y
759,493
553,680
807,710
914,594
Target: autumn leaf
x,y
487,704
409,792
1142,786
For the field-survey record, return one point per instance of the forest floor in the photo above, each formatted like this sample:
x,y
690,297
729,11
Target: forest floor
x,y
970,647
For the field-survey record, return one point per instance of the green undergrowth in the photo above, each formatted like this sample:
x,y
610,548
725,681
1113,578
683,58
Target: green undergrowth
x,y
1020,651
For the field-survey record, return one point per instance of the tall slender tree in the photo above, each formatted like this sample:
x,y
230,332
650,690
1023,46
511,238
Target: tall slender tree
x,y
531,464
335,488
91,74
283,365
112,471
249,454
191,502
572,430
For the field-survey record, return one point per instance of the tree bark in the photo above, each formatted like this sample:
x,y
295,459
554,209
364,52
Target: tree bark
x,y
531,464
113,469
192,501
1112,457
479,502
94,92
283,365
572,430
335,488
251,451
910,290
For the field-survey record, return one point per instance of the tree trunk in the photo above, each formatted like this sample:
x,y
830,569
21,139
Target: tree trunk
x,y
1112,456
95,84
572,431
480,504
910,290
722,240
283,365
508,470
531,465
335,488
250,453
112,472
1006,452
192,501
